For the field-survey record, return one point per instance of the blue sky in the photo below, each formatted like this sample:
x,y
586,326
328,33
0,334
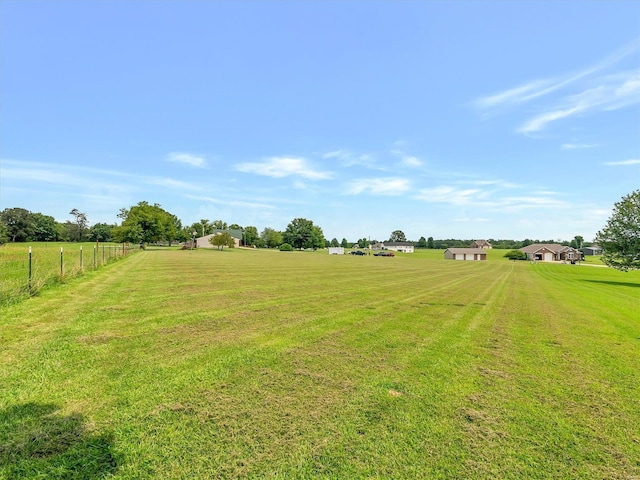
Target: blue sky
x,y
445,119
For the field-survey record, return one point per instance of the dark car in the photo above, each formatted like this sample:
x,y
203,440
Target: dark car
x,y
384,254
357,252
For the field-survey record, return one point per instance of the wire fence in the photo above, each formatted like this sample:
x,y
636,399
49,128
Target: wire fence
x,y
24,270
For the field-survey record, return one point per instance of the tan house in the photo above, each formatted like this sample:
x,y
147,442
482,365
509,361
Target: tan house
x,y
203,242
477,254
551,252
480,244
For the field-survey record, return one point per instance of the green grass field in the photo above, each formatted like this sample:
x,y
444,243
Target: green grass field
x,y
46,267
265,364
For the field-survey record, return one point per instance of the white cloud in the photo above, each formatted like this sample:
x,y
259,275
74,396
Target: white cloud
x,y
633,161
279,167
410,161
587,91
187,158
233,203
171,183
452,195
497,183
449,194
575,146
379,186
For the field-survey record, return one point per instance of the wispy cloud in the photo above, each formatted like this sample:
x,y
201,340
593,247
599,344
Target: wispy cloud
x,y
171,183
614,92
633,161
586,92
187,158
379,186
233,203
409,161
576,146
279,167
350,159
497,183
477,197
449,194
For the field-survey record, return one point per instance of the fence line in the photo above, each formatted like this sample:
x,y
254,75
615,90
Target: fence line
x,y
24,273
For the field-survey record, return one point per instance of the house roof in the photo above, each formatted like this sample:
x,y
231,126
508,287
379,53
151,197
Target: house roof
x,y
552,247
467,250
234,233
398,244
481,242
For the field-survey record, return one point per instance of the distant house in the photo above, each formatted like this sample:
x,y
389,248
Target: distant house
x,y
203,242
551,252
592,250
480,244
406,247
336,250
477,254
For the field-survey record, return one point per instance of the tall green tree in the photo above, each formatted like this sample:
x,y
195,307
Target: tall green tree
x,y
272,238
344,243
251,235
334,242
81,222
219,225
100,232
221,240
577,242
422,243
146,223
4,233
302,233
19,223
317,238
430,243
620,237
45,228
397,236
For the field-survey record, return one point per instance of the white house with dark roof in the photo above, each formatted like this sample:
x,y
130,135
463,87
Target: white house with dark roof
x,y
406,247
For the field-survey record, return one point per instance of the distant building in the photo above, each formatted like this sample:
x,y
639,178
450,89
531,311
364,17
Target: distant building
x,y
406,247
480,244
477,254
592,250
203,242
336,250
551,252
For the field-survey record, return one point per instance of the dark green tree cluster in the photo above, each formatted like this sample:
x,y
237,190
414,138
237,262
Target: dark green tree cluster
x,y
302,233
620,237
21,225
144,223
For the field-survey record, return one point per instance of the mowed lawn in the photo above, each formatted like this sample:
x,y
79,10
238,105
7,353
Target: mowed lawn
x,y
265,364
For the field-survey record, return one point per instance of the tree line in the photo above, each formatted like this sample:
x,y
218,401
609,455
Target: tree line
x,y
150,223
145,223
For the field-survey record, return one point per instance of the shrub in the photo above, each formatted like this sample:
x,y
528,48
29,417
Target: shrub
x,y
516,255
285,247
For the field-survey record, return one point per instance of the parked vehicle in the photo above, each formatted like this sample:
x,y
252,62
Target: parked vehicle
x,y
384,254
357,252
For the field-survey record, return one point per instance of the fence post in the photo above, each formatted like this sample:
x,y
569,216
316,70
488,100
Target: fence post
x,y
103,254
30,271
61,263
80,257
94,257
